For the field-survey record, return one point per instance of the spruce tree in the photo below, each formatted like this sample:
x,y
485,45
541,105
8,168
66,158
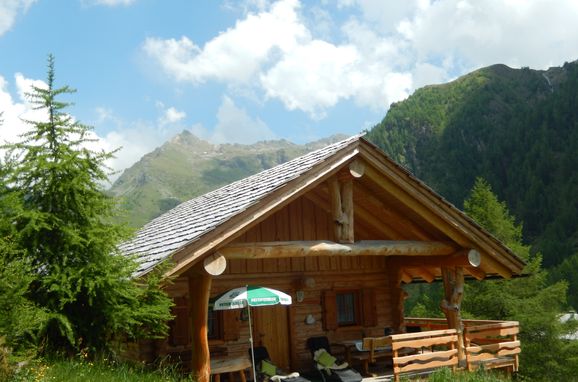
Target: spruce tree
x,y
531,300
70,240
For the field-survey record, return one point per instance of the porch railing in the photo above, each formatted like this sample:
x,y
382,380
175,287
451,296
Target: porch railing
x,y
420,351
491,343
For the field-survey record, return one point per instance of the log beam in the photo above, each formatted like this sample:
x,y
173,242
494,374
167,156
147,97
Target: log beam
x,y
199,292
356,168
460,259
215,264
266,250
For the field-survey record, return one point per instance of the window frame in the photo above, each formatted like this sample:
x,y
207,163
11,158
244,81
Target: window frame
x,y
356,305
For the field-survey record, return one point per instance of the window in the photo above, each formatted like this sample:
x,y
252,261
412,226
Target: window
x,y
353,307
348,312
214,323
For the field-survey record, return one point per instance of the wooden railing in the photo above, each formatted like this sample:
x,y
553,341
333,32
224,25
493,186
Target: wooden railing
x,y
493,344
410,354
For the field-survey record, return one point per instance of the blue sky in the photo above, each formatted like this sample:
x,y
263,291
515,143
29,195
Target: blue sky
x,y
243,71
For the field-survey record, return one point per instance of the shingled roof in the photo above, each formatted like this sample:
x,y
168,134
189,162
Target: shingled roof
x,y
190,220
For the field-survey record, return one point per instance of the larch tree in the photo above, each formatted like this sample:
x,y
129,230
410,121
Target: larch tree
x,y
67,233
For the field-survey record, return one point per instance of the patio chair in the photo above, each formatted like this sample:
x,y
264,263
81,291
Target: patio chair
x,y
327,365
267,371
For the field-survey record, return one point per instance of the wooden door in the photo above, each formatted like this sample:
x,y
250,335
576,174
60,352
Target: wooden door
x,y
271,329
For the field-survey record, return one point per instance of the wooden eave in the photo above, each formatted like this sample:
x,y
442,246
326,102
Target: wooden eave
x,y
407,189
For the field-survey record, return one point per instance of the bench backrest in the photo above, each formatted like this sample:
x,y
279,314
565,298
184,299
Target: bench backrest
x,y
408,354
373,344
487,343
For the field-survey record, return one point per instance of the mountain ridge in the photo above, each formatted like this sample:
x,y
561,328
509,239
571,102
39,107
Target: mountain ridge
x,y
517,128
187,166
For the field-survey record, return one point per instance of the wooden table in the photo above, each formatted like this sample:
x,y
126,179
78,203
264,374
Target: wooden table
x,y
354,352
229,365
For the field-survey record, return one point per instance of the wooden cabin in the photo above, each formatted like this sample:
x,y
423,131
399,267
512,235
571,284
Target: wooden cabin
x,y
340,229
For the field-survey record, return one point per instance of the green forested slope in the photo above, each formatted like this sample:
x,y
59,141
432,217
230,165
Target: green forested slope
x,y
517,128
187,166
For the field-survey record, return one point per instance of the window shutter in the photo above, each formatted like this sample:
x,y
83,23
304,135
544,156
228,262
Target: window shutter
x,y
329,310
230,324
369,308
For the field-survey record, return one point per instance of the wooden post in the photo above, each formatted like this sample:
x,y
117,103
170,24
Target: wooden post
x,y
397,299
199,292
341,196
453,278
347,230
336,209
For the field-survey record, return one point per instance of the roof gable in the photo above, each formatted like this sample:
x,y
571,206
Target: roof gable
x,y
197,227
190,220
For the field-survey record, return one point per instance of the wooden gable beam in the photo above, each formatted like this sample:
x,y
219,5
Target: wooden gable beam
x,y
267,250
441,219
319,197
385,213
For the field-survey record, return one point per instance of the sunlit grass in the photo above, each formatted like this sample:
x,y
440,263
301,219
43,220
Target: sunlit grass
x,y
100,371
446,375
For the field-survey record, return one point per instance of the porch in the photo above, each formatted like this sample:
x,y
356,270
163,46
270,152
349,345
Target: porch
x,y
427,345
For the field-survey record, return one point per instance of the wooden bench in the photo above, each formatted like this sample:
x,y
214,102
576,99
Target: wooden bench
x,y
231,366
423,351
493,346
373,348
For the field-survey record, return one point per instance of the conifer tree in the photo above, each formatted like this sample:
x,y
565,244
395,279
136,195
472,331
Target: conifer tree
x,y
66,230
531,300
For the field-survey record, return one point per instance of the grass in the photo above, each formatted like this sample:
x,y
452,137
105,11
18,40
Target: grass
x,y
480,375
100,371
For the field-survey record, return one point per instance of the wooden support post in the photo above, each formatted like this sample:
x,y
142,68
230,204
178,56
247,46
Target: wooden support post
x,y
347,230
341,196
397,299
336,209
199,292
453,278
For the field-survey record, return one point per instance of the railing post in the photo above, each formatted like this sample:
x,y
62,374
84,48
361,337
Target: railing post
x,y
453,278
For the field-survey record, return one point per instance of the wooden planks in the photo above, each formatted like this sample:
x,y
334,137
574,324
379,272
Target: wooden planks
x,y
494,345
442,351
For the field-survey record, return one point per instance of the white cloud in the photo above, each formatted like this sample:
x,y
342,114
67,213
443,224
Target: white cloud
x,y
235,55
15,110
170,115
234,125
135,139
9,11
133,142
275,51
538,33
382,54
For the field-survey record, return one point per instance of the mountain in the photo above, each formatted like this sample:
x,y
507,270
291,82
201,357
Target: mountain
x,y
517,128
187,166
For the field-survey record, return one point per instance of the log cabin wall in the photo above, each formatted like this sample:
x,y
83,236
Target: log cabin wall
x,y
315,277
